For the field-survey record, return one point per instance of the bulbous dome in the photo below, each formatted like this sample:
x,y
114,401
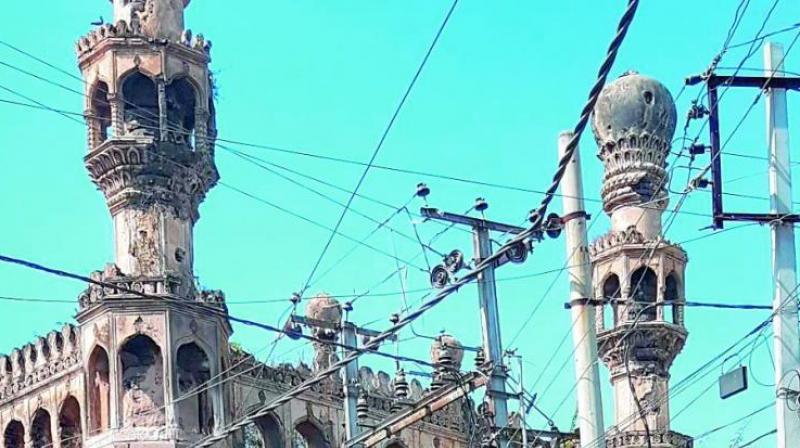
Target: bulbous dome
x,y
634,105
633,122
447,346
324,308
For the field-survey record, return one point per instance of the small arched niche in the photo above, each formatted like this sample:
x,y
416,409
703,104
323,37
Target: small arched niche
x,y
142,385
612,292
644,291
41,431
99,388
100,115
195,410
69,423
141,111
672,300
181,98
308,435
14,435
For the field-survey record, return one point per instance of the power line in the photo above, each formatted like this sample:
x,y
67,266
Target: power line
x,y
760,39
379,146
217,311
538,216
762,436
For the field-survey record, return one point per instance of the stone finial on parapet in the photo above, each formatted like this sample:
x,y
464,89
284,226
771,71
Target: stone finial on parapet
x,y
447,353
326,312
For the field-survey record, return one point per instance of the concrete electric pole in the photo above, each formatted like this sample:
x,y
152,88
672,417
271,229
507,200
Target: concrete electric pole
x,y
786,340
490,319
584,334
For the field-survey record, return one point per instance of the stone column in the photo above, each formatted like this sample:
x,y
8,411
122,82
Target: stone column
x,y
117,114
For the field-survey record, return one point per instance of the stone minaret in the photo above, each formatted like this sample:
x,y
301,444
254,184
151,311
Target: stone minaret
x,y
639,274
151,130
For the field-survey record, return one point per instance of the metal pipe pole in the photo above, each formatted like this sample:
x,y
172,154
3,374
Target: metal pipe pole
x,y
492,344
349,339
786,340
584,335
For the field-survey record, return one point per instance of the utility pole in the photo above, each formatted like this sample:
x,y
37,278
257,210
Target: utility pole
x,y
490,324
349,339
584,334
786,340
490,319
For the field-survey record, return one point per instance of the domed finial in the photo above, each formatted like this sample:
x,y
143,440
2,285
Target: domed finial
x,y
325,309
634,122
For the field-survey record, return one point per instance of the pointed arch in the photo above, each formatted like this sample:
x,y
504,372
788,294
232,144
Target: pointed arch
x,y
195,408
41,430
395,443
309,434
612,290
69,423
672,299
266,432
142,382
182,98
644,291
141,104
100,114
99,387
14,435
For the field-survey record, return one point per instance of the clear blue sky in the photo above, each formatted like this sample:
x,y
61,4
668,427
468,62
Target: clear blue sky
x,y
324,77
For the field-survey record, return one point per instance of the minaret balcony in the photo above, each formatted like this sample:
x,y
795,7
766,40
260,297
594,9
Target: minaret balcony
x,y
648,347
138,171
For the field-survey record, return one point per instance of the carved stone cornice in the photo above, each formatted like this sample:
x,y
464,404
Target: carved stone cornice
x,y
121,33
651,347
638,439
631,239
635,172
140,172
165,285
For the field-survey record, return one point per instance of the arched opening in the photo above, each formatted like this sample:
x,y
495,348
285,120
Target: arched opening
x,y
41,432
309,435
644,290
612,292
69,423
142,383
100,118
141,117
672,297
181,106
266,432
99,391
195,412
14,435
